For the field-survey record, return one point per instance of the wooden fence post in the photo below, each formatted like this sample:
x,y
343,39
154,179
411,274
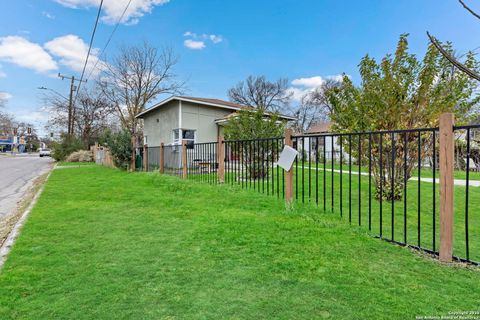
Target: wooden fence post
x,y
132,161
447,122
145,157
221,159
162,157
289,173
184,159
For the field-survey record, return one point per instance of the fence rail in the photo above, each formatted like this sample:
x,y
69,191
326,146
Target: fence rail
x,y
392,182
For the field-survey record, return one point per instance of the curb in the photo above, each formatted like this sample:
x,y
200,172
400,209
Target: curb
x,y
14,233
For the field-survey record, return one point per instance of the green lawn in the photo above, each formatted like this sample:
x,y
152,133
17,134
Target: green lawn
x,y
424,171
104,244
306,195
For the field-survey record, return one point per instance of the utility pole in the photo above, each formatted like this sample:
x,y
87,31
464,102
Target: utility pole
x,y
71,107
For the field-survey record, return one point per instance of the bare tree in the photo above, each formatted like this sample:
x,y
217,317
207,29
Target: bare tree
x,y
258,92
91,117
136,77
314,107
57,107
6,123
450,57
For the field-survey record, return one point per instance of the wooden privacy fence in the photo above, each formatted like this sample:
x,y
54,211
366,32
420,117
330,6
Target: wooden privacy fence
x,y
102,156
383,180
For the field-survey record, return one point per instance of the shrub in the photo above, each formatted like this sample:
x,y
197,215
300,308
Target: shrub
x,y
80,156
254,124
65,147
120,145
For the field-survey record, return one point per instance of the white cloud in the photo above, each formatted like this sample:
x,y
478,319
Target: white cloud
x,y
193,44
72,51
113,9
5,96
302,86
20,51
297,93
48,15
190,34
312,82
215,39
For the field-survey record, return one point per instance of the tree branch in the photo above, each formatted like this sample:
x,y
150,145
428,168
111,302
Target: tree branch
x,y
476,15
455,62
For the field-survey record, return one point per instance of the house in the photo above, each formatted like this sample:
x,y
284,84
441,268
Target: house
x,y
187,118
316,139
6,143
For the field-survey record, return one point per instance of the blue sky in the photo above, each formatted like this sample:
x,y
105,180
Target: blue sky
x,y
226,40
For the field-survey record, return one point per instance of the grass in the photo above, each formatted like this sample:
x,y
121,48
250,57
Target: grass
x,y
424,172
104,244
307,195
75,164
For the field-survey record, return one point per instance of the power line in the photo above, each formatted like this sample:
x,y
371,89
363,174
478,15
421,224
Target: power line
x,y
89,50
110,38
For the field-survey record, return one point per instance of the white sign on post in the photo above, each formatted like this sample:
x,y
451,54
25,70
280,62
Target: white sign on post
x,y
287,157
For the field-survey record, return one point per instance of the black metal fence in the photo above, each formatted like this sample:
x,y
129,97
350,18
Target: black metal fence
x,y
386,181
252,164
173,160
381,180
202,162
153,159
467,193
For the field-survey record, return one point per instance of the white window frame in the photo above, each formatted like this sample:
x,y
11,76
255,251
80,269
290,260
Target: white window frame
x,y
175,141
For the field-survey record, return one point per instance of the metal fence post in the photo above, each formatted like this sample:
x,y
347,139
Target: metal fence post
x,y
132,161
184,159
162,157
446,149
221,159
289,173
145,157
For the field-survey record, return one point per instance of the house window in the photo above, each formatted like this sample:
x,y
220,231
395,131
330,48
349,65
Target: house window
x,y
185,134
188,135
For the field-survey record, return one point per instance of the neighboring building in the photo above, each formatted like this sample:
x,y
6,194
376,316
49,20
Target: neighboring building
x,y
187,118
328,144
6,143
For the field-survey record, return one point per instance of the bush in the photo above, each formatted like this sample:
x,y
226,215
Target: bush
x,y
120,145
65,147
80,156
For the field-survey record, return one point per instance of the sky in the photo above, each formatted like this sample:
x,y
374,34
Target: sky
x,y
219,42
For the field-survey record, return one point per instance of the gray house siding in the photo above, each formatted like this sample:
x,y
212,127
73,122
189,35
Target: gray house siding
x,y
202,119
198,117
161,131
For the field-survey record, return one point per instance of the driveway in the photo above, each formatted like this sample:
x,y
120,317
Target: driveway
x,y
17,174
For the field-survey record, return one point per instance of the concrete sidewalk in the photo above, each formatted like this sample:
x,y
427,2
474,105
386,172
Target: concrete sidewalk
x,y
457,182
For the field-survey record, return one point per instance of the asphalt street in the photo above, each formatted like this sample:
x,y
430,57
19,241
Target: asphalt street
x,y
17,174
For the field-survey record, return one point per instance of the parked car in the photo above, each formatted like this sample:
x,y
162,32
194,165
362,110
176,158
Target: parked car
x,y
44,152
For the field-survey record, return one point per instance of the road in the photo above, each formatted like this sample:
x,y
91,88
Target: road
x,y
17,174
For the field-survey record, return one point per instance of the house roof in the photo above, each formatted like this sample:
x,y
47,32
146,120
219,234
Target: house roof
x,y
319,127
214,102
234,114
204,101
